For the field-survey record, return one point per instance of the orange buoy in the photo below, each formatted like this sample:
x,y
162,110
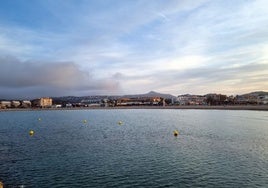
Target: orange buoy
x,y
31,132
176,133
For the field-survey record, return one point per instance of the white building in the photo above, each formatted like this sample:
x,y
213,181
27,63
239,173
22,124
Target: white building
x,y
5,104
15,104
26,104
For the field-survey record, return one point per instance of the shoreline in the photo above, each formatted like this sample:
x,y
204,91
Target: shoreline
x,y
227,107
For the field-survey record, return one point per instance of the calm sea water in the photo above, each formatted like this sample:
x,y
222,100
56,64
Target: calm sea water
x,y
214,148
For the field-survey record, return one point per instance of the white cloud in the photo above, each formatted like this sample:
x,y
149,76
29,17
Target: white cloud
x,y
136,46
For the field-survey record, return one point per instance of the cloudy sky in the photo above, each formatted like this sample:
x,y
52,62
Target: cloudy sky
x,y
88,47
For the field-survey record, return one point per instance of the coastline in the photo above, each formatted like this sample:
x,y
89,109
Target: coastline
x,y
227,107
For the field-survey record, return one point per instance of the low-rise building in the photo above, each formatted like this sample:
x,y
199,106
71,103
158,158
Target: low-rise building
x,y
188,99
15,104
139,101
263,99
246,99
5,104
216,99
68,105
44,102
56,106
26,104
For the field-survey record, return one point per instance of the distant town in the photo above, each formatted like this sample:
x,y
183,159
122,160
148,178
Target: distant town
x,y
149,99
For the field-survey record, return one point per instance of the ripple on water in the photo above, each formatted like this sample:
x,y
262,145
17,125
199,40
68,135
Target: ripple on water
x,y
214,149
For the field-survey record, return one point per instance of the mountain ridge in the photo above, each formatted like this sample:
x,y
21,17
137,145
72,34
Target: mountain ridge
x,y
151,94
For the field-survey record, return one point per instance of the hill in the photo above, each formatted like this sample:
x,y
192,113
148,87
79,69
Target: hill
x,y
256,93
151,94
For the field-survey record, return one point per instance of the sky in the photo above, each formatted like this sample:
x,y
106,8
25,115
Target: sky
x,y
117,47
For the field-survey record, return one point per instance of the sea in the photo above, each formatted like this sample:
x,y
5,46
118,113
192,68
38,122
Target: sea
x,y
133,148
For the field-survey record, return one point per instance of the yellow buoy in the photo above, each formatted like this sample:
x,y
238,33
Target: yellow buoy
x,y
120,122
31,132
176,133
85,121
